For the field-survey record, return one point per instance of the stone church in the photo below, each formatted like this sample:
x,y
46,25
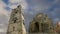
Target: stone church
x,y
40,23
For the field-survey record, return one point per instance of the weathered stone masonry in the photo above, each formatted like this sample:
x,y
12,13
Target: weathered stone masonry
x,y
16,22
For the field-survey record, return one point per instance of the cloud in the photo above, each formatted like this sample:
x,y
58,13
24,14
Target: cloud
x,y
4,16
12,6
2,8
23,4
42,5
2,28
57,19
14,3
2,33
4,13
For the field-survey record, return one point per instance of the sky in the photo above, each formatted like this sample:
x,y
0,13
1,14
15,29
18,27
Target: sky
x,y
30,9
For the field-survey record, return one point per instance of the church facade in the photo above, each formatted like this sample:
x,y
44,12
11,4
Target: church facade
x,y
41,24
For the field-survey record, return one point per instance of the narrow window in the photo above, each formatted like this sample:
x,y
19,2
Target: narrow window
x,y
13,28
23,22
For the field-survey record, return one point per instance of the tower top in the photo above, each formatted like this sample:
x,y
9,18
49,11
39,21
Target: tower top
x,y
19,6
18,9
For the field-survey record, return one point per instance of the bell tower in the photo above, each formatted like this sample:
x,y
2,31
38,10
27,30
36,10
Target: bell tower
x,y
16,22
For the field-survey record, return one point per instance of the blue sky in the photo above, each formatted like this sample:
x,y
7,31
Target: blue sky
x,y
30,9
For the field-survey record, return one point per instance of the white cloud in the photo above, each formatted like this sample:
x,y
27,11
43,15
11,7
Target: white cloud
x,y
23,4
3,11
4,16
2,30
12,6
14,3
57,19
1,24
42,4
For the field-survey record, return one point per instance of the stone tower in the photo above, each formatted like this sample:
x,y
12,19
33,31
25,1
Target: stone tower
x,y
16,22
41,24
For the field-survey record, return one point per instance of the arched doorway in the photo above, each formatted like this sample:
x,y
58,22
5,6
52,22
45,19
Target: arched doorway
x,y
36,27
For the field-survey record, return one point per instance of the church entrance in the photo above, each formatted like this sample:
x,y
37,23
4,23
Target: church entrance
x,y
36,27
